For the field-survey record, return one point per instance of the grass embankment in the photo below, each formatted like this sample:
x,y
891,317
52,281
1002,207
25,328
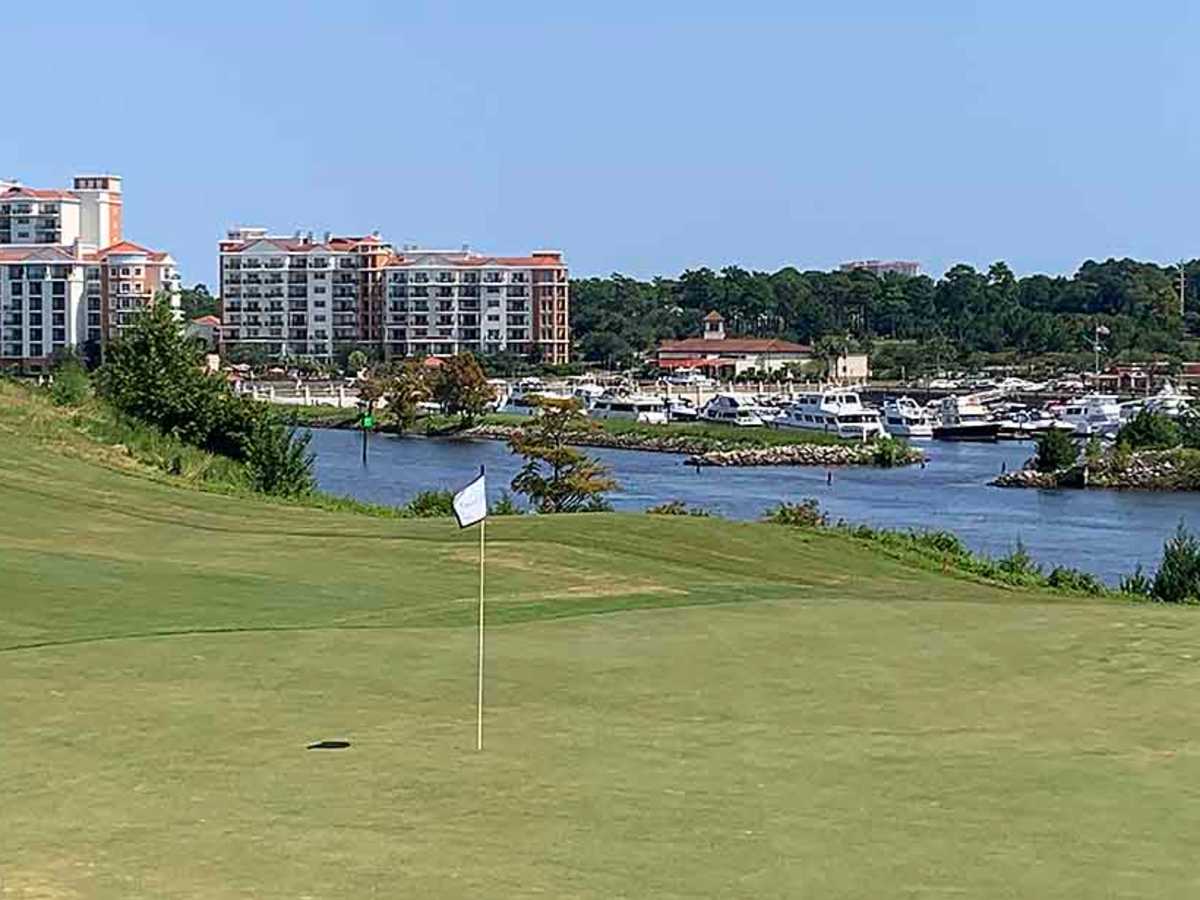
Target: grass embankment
x,y
761,712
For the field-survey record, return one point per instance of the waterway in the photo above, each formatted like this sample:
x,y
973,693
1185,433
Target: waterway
x,y
1103,532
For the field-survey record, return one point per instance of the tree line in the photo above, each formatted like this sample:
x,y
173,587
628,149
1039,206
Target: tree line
x,y
615,319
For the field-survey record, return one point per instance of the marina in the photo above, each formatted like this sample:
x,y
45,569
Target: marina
x,y
1104,532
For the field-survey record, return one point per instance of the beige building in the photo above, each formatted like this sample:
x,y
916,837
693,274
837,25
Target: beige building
x,y
717,354
67,278
300,296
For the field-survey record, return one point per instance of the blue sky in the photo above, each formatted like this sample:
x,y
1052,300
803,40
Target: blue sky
x,y
639,137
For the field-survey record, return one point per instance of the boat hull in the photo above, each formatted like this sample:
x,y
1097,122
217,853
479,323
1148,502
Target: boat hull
x,y
983,432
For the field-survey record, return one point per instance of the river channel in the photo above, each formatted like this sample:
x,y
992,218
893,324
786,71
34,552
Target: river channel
x,y
1103,532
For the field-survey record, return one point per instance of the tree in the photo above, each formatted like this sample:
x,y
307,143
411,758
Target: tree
x,y
1055,451
461,388
1178,576
406,391
557,477
1150,431
196,301
356,361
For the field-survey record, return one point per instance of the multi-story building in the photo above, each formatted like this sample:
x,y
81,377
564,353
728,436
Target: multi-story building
x,y
299,296
67,278
881,267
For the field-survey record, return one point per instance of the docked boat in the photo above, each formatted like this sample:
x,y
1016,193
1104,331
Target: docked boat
x,y
1169,402
964,419
1018,423
524,402
1095,414
729,409
832,412
647,410
680,409
904,417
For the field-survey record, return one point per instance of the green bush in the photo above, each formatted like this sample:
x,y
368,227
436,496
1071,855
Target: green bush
x,y
1137,583
155,374
278,460
805,514
505,506
1019,564
1149,431
1178,576
70,385
888,452
675,508
1055,451
431,505
1064,578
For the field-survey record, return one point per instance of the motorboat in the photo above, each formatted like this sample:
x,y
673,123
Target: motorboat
x,y
904,417
647,410
1094,414
1019,423
524,402
832,412
964,419
1169,402
587,394
680,409
729,409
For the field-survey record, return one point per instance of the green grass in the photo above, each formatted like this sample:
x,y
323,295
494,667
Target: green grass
x,y
677,707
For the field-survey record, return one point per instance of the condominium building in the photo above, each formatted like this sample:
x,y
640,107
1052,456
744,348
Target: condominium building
x,y
67,278
881,267
300,296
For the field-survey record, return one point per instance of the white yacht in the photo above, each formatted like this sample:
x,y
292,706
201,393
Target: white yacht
x,y
833,412
904,417
964,419
680,409
1095,414
522,402
647,410
729,409
1169,402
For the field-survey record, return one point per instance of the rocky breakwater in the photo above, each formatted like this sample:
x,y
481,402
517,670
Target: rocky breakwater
x,y
708,451
805,455
1147,470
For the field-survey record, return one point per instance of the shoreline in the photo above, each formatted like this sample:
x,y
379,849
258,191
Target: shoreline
x,y
1174,471
699,449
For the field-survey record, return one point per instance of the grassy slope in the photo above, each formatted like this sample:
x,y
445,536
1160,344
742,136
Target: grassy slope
x,y
764,715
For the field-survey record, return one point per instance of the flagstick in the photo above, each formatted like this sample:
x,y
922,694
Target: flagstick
x,y
479,718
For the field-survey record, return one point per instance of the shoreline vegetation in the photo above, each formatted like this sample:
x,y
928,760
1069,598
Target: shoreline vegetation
x,y
702,443
1177,469
92,431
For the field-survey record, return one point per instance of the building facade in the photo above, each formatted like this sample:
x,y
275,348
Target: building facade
x,y
305,297
881,267
67,278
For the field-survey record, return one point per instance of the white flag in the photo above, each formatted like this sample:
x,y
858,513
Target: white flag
x,y
470,504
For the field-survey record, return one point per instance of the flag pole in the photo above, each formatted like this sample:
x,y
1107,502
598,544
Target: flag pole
x,y
479,703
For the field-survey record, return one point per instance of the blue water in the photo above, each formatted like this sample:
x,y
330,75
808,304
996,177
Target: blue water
x,y
1104,532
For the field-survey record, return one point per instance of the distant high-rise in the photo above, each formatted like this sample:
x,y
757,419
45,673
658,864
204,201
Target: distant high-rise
x,y
67,276
883,267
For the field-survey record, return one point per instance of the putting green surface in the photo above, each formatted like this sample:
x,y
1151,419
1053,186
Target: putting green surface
x,y
677,707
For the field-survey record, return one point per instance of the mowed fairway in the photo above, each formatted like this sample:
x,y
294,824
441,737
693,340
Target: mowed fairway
x,y
677,708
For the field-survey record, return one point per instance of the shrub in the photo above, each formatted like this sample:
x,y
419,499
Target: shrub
x,y
278,460
1019,564
888,452
1178,576
676,508
1064,578
431,505
1149,431
505,506
805,514
1055,451
944,543
1137,583
70,386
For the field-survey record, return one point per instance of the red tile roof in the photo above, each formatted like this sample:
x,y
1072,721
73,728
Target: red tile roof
x,y
207,320
732,345
18,191
476,260
339,244
128,247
